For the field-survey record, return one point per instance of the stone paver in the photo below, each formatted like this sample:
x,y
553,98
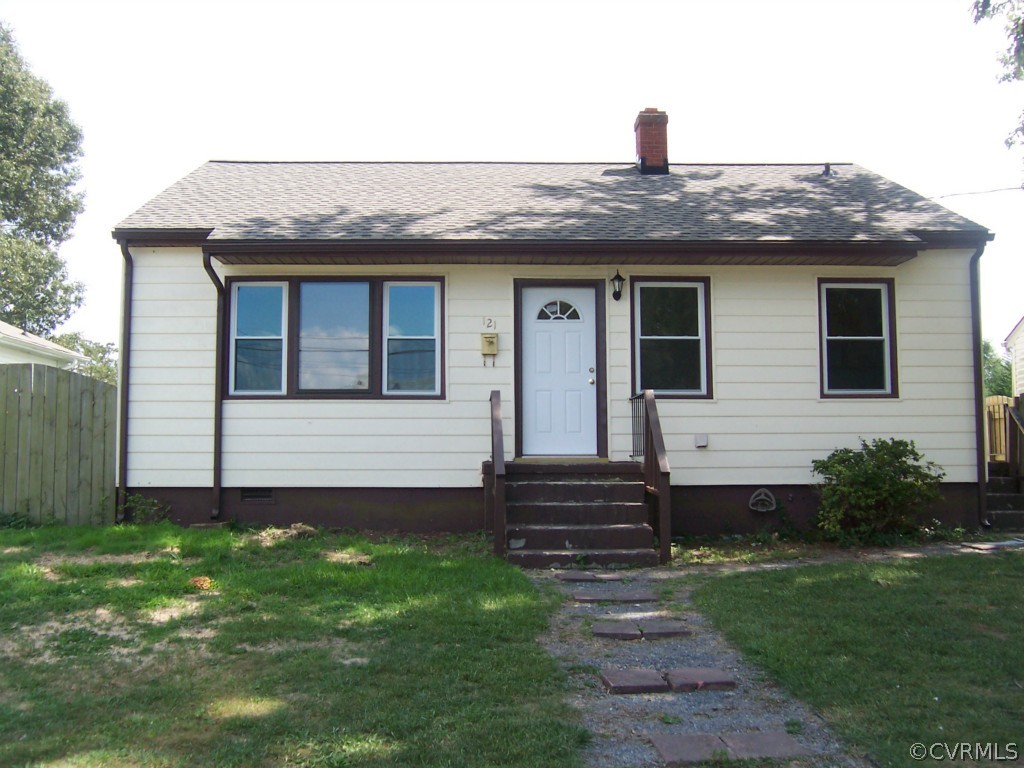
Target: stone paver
x,y
587,576
663,628
633,681
628,596
774,744
699,679
617,630
684,749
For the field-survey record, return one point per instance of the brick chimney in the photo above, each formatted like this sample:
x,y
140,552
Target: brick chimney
x,y
651,129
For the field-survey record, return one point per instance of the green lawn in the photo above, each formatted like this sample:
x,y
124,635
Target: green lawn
x,y
892,653
324,651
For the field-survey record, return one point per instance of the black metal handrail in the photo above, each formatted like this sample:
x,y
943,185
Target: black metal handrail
x,y
636,407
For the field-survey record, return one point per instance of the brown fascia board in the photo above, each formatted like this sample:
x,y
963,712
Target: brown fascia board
x,y
365,252
161,237
973,238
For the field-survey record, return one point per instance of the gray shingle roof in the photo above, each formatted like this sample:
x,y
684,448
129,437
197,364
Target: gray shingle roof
x,y
556,202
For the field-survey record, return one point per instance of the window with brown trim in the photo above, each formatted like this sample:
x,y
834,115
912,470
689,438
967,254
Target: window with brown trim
x,y
671,353
858,356
335,338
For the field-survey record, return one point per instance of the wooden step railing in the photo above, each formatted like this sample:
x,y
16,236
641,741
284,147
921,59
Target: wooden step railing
x,y
1015,439
495,497
649,445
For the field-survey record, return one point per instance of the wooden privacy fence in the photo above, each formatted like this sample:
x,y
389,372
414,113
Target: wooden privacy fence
x,y
995,426
57,445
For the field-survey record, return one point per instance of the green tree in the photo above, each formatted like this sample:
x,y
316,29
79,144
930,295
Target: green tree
x,y
39,152
996,373
102,363
1012,14
35,293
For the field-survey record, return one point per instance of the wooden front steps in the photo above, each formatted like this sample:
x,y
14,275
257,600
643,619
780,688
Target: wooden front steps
x,y
565,514
1004,499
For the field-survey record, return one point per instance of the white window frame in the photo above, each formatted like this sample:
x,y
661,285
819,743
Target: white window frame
x,y
702,336
386,337
886,338
283,287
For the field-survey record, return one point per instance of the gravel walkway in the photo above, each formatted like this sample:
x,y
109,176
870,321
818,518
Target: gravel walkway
x,y
622,724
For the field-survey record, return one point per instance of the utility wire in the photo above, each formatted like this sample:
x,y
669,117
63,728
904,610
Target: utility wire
x,y
980,192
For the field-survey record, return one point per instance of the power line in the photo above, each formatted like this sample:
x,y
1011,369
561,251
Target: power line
x,y
981,192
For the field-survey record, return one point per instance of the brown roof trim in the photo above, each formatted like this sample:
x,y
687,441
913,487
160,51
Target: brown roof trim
x,y
873,253
161,237
951,239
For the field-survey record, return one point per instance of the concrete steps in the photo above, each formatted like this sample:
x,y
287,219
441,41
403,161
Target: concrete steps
x,y
572,514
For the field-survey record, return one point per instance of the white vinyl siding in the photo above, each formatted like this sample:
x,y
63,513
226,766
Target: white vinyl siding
x,y
765,423
173,356
767,420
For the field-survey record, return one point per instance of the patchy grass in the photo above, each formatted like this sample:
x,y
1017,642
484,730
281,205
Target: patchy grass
x,y
159,646
893,653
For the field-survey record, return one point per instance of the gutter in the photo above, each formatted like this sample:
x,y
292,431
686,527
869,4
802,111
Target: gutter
x,y
984,520
218,400
124,363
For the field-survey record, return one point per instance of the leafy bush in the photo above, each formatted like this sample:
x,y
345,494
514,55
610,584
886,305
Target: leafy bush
x,y
878,489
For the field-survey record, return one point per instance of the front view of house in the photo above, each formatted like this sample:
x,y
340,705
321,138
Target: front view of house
x,y
320,341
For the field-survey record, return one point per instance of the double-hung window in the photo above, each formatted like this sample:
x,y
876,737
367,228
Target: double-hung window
x,y
857,350
335,338
670,345
258,344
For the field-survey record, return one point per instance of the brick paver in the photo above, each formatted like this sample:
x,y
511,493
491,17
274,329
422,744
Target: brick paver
x,y
699,679
774,744
684,749
633,681
629,596
617,630
663,628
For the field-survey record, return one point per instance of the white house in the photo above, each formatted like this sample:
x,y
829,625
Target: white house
x,y
312,340
18,346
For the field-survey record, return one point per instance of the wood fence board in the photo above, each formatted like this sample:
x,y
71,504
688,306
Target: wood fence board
x,y
110,450
36,421
8,428
48,446
62,418
23,490
98,491
81,510
57,445
74,448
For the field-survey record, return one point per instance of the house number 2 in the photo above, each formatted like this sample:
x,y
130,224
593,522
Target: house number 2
x,y
489,324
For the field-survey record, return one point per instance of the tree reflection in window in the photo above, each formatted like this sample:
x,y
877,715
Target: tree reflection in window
x,y
558,310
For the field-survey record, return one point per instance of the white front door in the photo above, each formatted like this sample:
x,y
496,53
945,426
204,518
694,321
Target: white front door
x,y
559,376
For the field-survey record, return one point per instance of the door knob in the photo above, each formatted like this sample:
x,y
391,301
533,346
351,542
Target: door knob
x,y
590,381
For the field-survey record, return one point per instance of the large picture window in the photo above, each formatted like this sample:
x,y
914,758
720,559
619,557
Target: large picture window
x,y
670,323
857,353
335,338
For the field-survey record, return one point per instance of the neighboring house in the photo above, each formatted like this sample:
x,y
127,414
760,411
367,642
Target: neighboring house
x,y
1015,346
303,341
18,346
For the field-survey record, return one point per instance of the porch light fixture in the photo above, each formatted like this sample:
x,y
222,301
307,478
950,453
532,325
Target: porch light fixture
x,y
617,283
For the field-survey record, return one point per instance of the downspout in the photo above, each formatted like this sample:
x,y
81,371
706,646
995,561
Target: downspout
x,y
218,399
123,381
979,389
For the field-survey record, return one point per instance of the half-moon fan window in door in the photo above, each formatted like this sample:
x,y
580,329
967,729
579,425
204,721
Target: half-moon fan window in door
x,y
558,310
